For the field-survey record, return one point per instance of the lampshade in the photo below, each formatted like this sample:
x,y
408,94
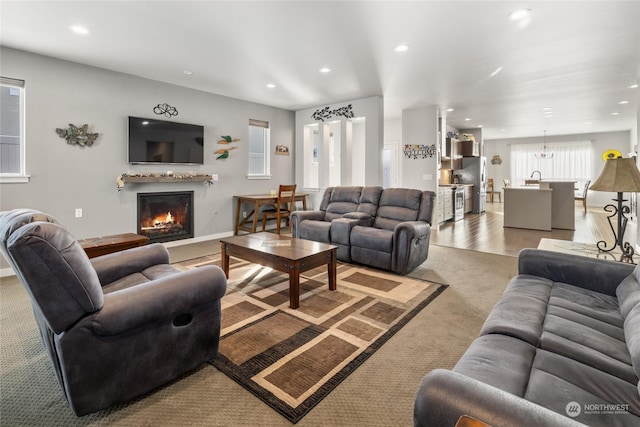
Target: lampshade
x,y
619,175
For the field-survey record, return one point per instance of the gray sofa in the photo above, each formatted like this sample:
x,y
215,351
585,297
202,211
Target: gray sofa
x,y
384,228
116,326
560,348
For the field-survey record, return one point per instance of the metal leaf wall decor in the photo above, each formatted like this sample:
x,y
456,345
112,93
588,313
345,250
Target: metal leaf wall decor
x,y
224,152
327,113
78,135
165,109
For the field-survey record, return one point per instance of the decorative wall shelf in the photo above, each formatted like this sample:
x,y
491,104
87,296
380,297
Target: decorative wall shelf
x,y
162,177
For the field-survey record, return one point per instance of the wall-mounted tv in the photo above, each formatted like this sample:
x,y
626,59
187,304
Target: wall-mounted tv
x,y
160,141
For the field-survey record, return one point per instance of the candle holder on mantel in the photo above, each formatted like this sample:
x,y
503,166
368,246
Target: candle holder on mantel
x,y
618,175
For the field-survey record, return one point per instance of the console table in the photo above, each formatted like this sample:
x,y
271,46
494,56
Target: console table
x,y
96,246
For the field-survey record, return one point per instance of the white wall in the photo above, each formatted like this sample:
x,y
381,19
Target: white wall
x,y
65,177
420,126
601,142
368,163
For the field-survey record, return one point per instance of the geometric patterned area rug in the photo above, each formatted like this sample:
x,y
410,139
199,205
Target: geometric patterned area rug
x,y
292,359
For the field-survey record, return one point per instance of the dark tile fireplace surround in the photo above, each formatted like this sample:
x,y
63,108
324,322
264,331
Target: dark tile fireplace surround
x,y
165,216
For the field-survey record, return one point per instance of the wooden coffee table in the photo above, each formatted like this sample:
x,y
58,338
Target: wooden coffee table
x,y
282,253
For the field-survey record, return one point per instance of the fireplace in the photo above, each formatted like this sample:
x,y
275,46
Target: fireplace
x,y
163,217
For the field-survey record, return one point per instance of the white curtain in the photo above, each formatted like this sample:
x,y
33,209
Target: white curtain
x,y
571,161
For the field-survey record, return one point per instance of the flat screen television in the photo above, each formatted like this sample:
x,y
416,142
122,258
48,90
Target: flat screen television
x,y
160,141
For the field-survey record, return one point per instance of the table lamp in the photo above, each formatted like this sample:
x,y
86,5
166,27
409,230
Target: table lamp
x,y
618,175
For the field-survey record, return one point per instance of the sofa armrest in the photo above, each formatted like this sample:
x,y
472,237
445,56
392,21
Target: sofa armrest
x,y
298,216
117,265
163,298
363,218
410,245
589,273
444,396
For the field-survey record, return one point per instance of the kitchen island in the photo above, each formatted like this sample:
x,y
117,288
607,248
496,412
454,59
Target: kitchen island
x,y
543,207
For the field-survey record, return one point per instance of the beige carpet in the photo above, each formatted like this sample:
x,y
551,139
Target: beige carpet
x,y
292,359
379,393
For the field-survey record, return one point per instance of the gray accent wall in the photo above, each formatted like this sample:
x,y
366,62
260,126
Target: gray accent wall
x,y
65,177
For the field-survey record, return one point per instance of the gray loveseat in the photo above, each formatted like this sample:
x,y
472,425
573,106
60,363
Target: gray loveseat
x,y
116,326
384,228
560,348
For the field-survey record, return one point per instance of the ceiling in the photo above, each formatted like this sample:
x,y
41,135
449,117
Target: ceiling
x,y
576,59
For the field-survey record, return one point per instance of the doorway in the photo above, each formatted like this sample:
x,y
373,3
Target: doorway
x,y
390,165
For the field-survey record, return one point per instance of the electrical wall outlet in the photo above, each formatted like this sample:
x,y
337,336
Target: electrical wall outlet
x,y
214,177
78,212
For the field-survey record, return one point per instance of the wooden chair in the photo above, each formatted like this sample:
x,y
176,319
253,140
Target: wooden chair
x,y
286,197
491,191
506,182
583,195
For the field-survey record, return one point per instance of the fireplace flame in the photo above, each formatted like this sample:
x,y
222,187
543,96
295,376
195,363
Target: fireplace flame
x,y
168,221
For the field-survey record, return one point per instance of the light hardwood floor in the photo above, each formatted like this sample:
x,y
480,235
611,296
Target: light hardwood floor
x,y
485,233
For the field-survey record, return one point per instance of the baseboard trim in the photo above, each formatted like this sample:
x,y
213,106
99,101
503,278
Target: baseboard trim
x,y
6,272
197,239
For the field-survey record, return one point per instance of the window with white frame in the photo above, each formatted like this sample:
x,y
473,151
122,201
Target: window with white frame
x,y
259,149
571,161
12,141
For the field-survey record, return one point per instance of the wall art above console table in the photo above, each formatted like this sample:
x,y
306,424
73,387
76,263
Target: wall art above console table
x,y
147,178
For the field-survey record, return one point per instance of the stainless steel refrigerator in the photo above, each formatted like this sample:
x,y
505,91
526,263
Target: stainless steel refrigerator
x,y
474,171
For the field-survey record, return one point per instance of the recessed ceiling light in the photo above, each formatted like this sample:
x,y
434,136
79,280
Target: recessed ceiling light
x,y
633,86
503,130
615,113
547,109
448,110
401,48
623,102
467,119
79,29
519,14
187,72
271,85
325,70
145,122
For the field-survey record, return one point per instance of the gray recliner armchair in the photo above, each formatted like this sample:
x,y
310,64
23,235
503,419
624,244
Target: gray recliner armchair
x,y
116,326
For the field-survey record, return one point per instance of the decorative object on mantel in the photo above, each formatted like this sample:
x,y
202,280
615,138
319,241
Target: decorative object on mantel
x,y
326,113
224,152
78,135
282,150
496,160
545,153
143,178
165,109
618,175
416,151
